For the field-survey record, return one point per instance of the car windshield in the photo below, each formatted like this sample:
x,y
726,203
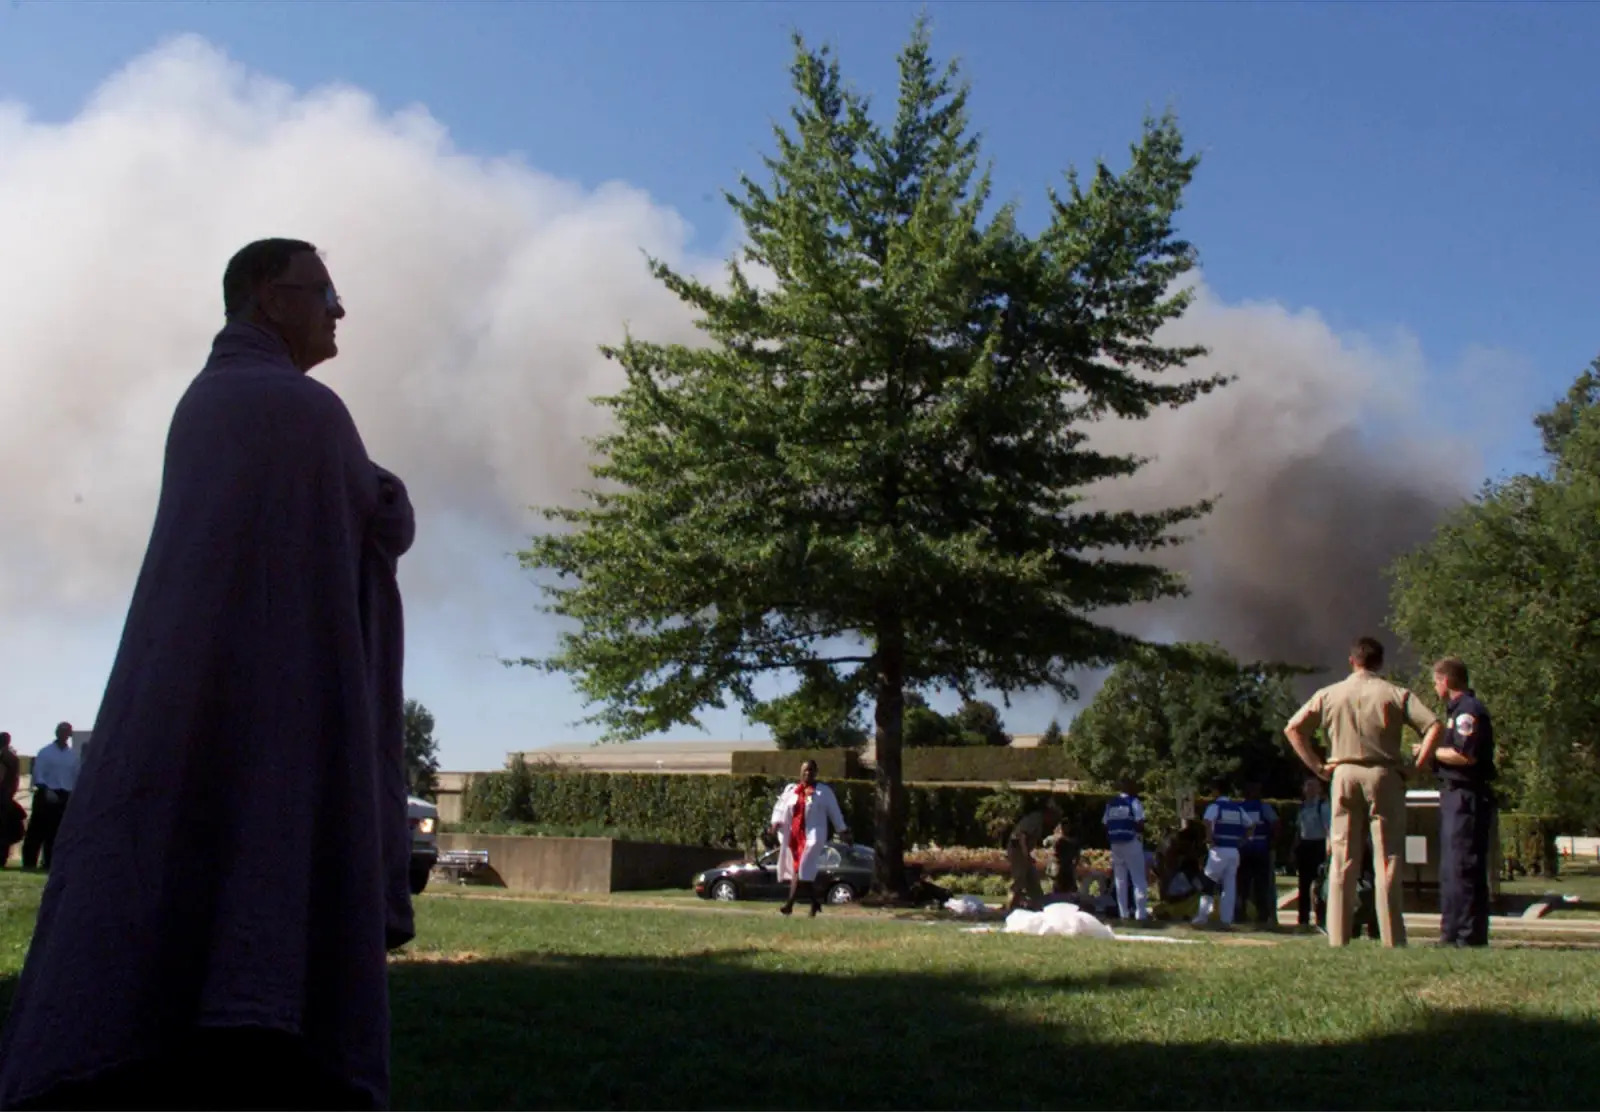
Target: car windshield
x,y
768,860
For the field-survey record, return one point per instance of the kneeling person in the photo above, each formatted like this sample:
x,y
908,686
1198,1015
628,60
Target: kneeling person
x,y
1228,825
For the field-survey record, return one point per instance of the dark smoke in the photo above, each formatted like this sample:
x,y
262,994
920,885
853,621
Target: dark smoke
x,y
1326,468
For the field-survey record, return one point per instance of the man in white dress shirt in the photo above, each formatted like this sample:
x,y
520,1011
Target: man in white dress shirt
x,y
55,774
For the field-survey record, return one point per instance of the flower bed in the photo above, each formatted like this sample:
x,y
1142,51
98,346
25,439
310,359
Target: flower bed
x,y
936,860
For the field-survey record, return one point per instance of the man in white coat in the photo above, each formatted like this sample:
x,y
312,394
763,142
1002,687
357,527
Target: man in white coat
x,y
800,819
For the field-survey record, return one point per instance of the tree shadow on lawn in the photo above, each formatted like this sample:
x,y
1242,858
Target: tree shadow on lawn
x,y
705,1031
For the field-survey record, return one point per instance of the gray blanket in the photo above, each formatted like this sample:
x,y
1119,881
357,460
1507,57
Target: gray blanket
x,y
236,850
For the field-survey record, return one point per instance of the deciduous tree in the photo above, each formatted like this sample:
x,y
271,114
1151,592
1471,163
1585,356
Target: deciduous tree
x,y
1176,719
980,724
823,712
1511,584
421,750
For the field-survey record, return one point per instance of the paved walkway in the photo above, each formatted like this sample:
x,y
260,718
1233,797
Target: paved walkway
x,y
1426,925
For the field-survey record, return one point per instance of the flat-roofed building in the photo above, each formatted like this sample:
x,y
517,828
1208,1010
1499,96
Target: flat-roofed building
x,y
645,756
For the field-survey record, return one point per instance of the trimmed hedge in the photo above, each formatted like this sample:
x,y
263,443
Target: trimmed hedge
x,y
986,763
708,810
934,764
720,810
832,764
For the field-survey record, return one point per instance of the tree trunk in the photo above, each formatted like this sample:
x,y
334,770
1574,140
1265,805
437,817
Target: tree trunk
x,y
890,824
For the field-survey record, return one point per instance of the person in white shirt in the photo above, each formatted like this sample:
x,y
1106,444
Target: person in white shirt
x,y
800,820
55,775
1311,849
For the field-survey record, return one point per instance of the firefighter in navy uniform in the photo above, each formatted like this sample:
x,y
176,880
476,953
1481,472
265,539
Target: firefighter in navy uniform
x,y
1464,762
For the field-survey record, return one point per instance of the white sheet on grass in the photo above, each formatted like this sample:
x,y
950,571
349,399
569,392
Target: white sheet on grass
x,y
1058,918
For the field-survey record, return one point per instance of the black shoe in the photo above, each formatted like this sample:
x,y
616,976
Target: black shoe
x,y
786,909
815,909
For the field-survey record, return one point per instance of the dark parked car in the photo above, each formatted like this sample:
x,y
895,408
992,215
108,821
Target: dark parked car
x,y
845,874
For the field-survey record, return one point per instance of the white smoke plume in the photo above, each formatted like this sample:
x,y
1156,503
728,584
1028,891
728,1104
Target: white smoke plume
x,y
478,290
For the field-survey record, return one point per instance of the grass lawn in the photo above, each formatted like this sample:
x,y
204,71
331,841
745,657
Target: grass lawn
x,y
507,1003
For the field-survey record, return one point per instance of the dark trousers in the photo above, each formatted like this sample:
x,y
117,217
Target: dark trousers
x,y
40,840
1257,887
13,825
1308,859
1364,919
1465,816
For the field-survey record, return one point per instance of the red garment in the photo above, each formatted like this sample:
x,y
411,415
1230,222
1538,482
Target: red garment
x,y
797,824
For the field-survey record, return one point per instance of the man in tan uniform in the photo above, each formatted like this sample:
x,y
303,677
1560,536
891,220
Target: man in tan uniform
x,y
1363,716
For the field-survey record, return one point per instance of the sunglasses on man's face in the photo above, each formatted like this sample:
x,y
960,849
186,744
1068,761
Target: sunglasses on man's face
x,y
330,296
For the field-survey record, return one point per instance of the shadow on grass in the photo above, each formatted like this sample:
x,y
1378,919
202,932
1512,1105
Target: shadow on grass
x,y
705,1031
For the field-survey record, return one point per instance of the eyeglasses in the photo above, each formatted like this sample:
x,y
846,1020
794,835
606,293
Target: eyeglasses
x,y
330,296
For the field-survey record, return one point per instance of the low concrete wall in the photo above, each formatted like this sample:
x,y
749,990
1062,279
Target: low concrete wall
x,y
542,864
595,865
640,865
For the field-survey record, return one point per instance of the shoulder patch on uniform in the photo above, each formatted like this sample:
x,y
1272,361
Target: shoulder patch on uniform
x,y
1465,724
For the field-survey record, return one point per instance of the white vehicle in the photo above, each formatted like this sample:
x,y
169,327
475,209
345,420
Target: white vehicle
x,y
424,819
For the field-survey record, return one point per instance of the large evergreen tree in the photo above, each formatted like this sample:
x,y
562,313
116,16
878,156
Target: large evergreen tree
x,y
1511,584
878,461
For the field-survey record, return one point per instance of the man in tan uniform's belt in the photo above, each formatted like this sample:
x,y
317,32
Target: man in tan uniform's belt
x,y
1363,715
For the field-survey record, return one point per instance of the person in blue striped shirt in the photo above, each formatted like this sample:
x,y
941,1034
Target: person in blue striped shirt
x,y
1228,825
1124,822
1258,884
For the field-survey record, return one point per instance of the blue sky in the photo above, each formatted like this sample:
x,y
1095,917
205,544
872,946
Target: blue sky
x,y
1427,168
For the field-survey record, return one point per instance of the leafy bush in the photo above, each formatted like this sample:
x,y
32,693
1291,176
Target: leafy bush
x,y
973,884
998,812
1530,840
